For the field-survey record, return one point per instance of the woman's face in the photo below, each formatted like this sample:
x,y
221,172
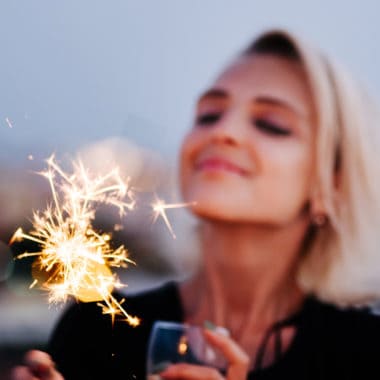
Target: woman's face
x,y
250,154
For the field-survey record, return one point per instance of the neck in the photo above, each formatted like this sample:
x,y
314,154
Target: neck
x,y
248,274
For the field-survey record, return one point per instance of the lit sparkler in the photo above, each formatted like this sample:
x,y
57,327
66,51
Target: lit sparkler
x,y
159,207
75,260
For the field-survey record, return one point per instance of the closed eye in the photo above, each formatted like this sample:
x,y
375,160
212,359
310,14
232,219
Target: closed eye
x,y
208,118
271,128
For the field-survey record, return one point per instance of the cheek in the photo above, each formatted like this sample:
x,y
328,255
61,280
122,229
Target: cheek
x,y
188,149
290,173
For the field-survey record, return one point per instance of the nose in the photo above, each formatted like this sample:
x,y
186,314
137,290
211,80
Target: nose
x,y
231,128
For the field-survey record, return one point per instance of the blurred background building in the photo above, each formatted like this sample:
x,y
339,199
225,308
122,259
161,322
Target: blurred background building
x,y
115,82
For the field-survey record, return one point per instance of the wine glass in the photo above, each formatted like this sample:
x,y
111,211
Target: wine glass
x,y
172,342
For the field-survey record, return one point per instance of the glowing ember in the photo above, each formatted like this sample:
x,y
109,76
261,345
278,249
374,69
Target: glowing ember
x,y
74,259
182,345
118,227
8,122
160,207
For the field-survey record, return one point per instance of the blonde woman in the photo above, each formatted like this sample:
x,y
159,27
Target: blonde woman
x,y
281,162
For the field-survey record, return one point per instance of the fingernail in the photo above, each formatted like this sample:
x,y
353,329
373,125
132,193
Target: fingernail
x,y
218,329
209,325
222,330
161,366
155,377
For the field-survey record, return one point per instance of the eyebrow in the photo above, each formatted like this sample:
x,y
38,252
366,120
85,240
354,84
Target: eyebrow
x,y
277,102
214,93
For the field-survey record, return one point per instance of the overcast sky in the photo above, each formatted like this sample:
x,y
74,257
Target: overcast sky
x,y
74,71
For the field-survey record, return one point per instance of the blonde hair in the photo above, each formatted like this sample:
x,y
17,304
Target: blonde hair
x,y
342,262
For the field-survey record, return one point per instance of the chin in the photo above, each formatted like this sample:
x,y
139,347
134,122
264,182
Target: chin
x,y
217,205
239,207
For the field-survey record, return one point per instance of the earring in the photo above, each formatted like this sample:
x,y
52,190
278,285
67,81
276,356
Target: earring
x,y
319,219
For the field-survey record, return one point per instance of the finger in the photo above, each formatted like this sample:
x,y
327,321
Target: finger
x,y
184,371
41,365
38,355
229,348
21,373
237,358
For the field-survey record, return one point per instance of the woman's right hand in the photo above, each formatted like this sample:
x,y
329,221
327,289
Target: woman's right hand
x,y
238,362
38,366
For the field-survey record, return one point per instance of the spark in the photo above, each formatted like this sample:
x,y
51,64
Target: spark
x,y
75,260
159,207
118,227
182,345
8,122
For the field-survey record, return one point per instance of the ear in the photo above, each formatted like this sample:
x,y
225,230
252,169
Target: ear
x,y
318,210
316,201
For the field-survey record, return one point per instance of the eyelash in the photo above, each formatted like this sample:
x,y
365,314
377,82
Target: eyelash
x,y
208,118
271,128
262,124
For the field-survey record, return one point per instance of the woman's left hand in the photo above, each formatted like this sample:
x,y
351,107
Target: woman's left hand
x,y
237,359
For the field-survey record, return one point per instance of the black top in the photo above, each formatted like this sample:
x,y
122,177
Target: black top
x,y
330,343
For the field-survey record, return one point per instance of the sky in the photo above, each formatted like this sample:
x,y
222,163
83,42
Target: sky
x,y
73,72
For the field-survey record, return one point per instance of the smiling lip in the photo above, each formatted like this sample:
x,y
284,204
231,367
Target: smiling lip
x,y
219,164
